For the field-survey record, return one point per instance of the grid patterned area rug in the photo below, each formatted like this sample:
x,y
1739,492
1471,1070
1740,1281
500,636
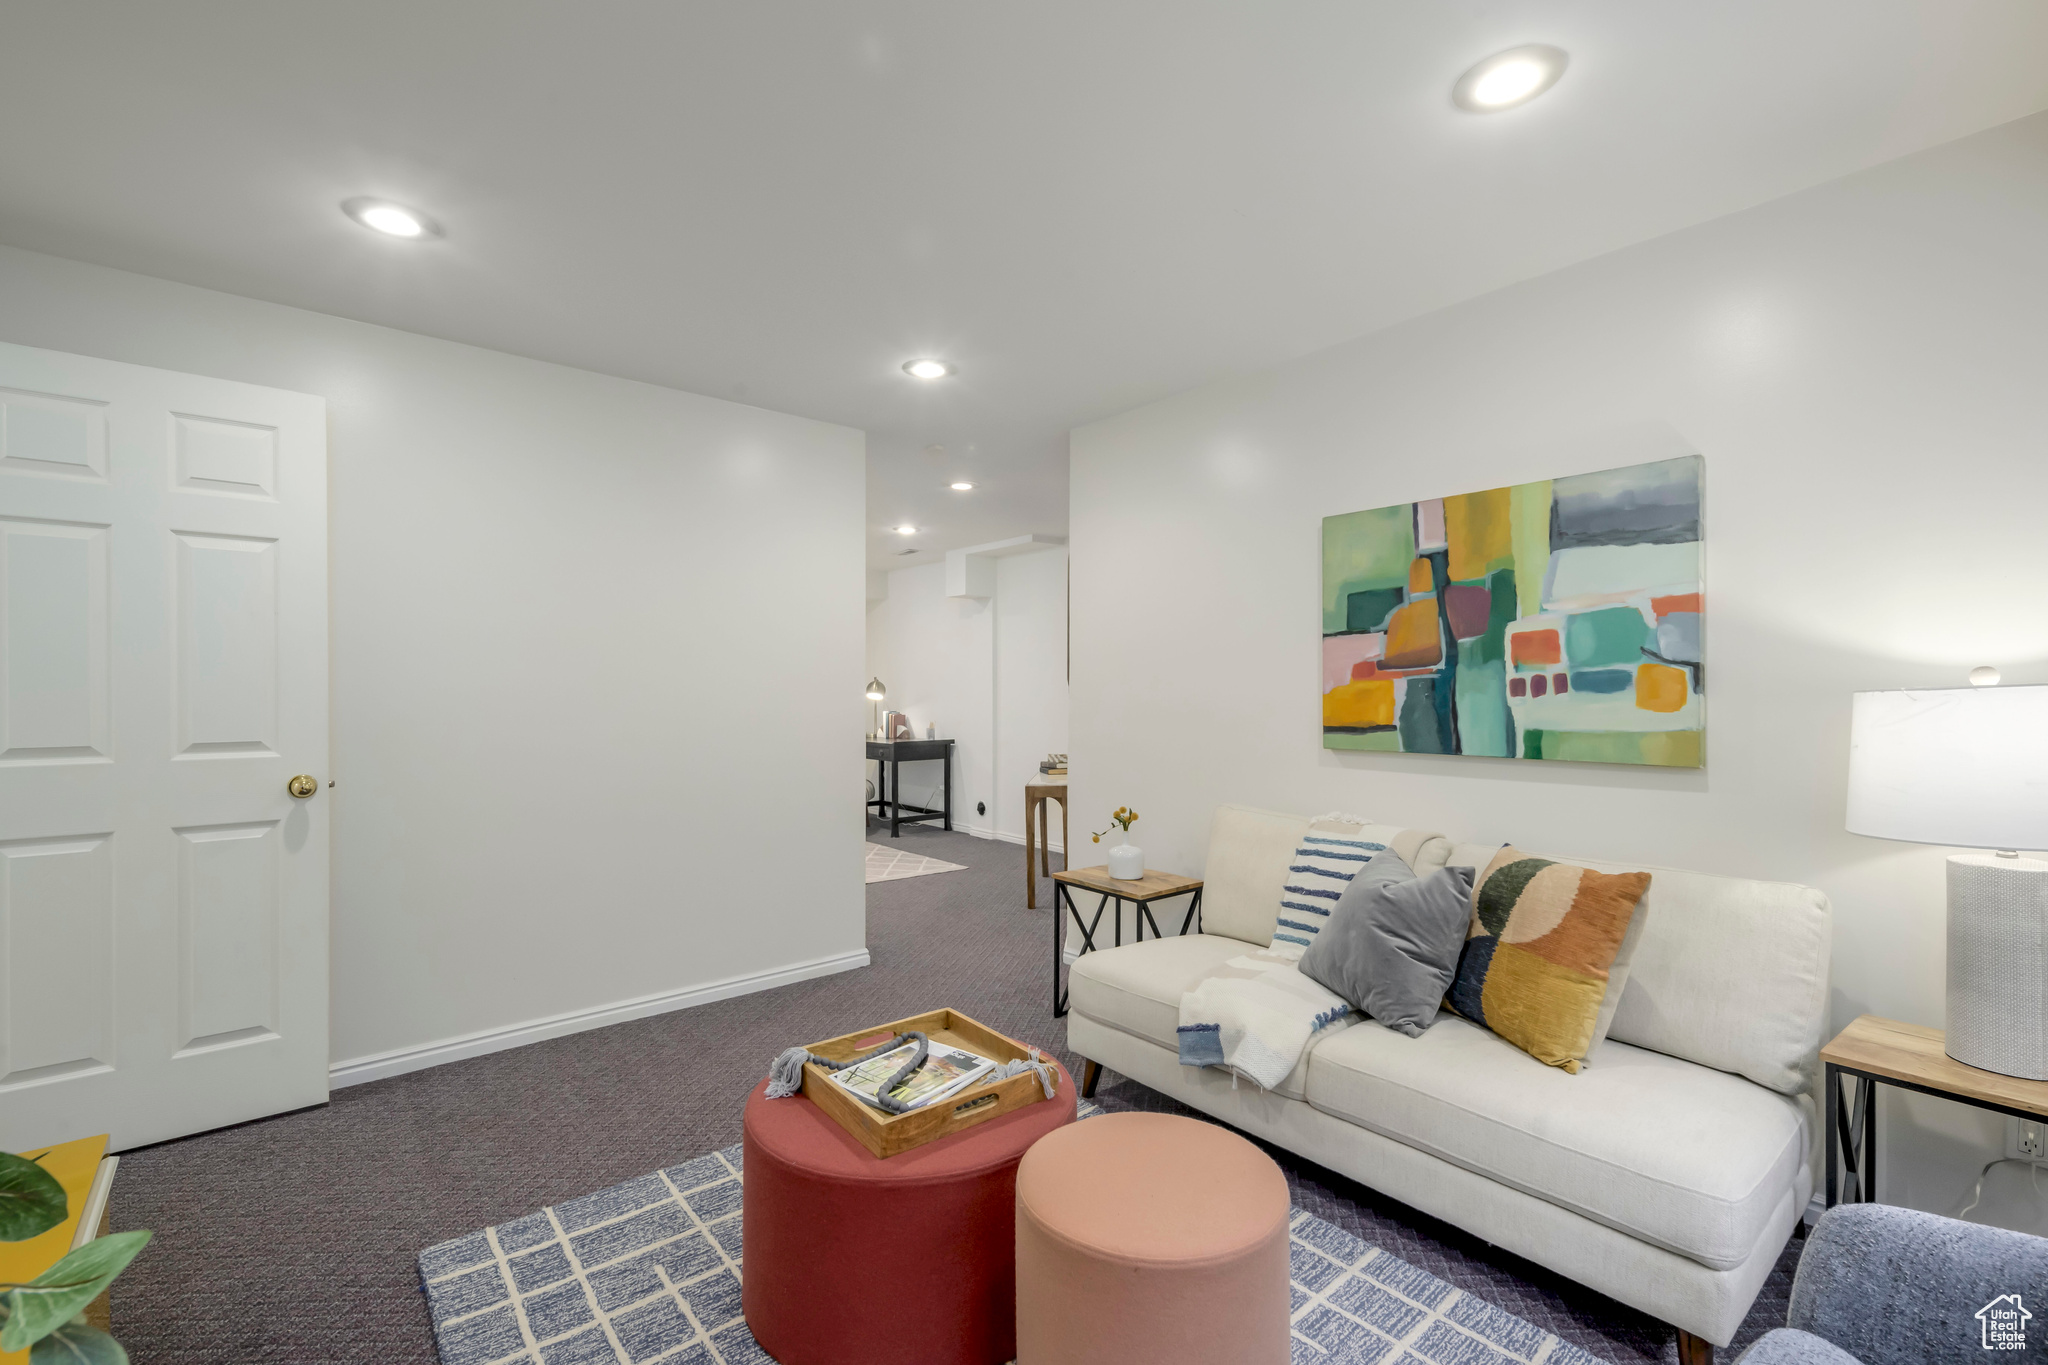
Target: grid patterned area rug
x,y
650,1271
1354,1304
894,864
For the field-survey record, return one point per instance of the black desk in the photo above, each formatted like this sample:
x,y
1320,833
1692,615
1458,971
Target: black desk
x,y
890,755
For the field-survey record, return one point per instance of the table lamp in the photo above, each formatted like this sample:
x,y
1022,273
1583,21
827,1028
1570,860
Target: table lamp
x,y
1968,767
875,694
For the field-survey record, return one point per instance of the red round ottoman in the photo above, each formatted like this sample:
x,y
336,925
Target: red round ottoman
x,y
849,1259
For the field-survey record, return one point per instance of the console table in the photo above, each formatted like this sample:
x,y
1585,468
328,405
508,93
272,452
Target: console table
x,y
1037,850
890,755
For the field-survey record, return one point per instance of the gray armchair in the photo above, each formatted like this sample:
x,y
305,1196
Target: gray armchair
x,y
1879,1285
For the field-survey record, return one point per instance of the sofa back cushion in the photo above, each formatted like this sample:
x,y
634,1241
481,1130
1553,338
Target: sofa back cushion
x,y
1250,851
1729,973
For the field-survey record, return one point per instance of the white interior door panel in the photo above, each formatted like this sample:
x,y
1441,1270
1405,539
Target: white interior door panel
x,y
163,675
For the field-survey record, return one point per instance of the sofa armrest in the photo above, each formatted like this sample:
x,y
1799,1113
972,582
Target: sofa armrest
x,y
1785,1346
1893,1286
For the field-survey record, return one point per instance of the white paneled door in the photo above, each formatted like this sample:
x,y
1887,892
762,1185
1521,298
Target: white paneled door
x,y
163,678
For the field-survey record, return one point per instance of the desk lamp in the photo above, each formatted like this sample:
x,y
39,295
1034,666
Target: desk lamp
x,y
875,694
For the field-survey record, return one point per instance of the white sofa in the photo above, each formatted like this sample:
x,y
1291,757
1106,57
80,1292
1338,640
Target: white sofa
x,y
1669,1173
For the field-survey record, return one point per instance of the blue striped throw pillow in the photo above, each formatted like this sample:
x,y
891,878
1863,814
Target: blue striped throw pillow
x,y
1329,856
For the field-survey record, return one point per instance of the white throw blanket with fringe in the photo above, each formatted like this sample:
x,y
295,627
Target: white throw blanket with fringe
x,y
1256,1017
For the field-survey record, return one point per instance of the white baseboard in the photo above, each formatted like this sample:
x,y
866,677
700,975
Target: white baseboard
x,y
1018,839
985,832
377,1066
1815,1207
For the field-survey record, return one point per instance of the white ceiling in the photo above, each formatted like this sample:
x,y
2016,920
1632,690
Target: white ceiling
x,y
1083,206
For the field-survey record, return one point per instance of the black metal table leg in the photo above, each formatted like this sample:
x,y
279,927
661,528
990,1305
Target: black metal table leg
x,y
1831,1088
1059,943
1145,911
896,806
1855,1121
947,763
1062,906
1088,929
1194,915
1847,1127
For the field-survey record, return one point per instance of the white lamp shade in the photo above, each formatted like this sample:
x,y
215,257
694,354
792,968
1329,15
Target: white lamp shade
x,y
1965,767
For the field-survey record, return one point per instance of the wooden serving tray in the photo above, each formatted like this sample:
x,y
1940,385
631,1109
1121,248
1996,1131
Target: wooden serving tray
x,y
887,1134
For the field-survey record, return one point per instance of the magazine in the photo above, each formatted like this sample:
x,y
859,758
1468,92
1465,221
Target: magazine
x,y
946,1070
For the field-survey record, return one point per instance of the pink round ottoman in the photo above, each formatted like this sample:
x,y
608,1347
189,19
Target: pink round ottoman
x,y
1146,1239
853,1260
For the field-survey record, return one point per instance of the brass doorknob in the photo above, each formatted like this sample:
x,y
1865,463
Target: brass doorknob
x,y
302,786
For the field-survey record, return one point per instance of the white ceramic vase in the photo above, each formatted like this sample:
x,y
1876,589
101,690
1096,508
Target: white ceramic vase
x,y
1127,862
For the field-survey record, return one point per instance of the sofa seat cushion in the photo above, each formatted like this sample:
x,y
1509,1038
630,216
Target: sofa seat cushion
x,y
1675,1154
1137,988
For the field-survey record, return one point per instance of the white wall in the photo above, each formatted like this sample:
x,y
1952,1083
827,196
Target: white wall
x,y
596,653
1030,681
1861,364
990,673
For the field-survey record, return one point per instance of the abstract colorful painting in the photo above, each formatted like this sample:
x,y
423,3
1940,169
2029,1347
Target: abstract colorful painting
x,y
1556,619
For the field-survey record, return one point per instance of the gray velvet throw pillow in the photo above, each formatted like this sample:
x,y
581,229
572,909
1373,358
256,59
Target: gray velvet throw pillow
x,y
1391,946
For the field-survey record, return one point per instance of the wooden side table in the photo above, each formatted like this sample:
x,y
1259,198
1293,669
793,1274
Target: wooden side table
x,y
1153,886
1039,863
1873,1052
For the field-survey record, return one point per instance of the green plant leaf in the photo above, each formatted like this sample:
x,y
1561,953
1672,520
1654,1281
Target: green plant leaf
x,y
52,1298
31,1200
77,1342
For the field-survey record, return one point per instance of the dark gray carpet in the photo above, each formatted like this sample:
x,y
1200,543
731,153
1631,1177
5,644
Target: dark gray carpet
x,y
294,1238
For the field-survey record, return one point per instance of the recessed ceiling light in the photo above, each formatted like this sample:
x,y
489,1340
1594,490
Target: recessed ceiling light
x,y
961,487
1509,78
395,220
906,530
927,368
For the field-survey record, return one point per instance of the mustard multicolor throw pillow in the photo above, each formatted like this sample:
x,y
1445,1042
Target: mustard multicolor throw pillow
x,y
1536,958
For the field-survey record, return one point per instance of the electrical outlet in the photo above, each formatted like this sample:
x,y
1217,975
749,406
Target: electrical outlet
x,y
2027,1139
